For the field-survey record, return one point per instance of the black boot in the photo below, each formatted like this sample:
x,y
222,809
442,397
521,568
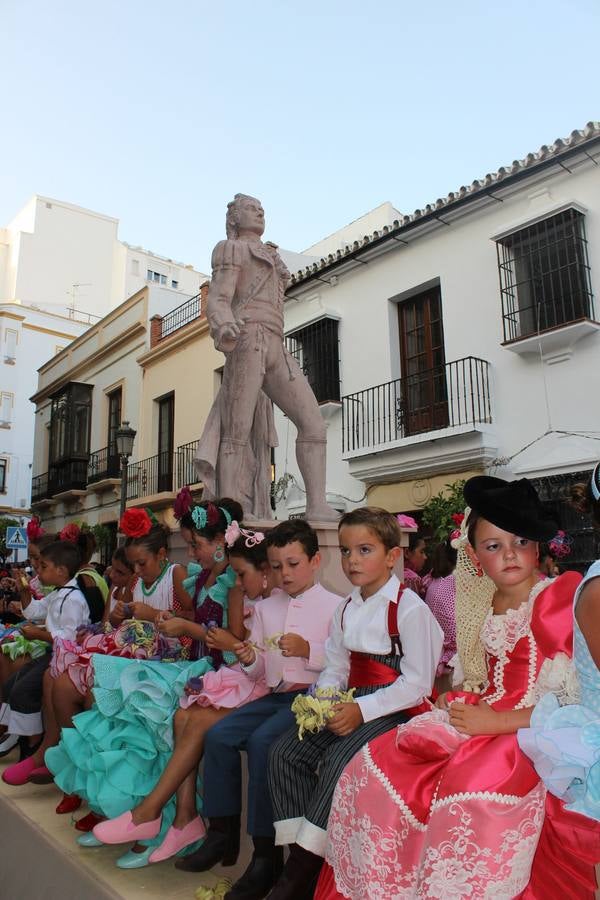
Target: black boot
x,y
262,873
299,877
221,845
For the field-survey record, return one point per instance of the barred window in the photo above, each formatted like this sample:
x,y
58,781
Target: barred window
x,y
316,347
545,275
3,468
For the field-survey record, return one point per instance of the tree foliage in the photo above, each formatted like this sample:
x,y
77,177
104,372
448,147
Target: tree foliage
x,y
5,522
438,511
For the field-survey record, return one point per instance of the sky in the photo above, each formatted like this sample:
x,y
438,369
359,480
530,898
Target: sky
x,y
158,112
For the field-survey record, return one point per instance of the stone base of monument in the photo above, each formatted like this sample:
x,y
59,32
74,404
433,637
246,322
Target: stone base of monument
x,y
330,573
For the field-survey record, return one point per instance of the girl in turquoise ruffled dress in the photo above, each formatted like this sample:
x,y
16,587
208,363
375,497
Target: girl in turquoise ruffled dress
x,y
116,752
563,741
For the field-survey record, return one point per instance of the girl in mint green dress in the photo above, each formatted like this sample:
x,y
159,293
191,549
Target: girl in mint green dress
x,y
115,752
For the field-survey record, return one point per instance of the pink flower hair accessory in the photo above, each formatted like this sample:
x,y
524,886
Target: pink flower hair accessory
x,y
561,544
233,532
406,521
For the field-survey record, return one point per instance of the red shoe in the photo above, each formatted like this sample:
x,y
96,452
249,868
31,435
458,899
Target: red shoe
x,y
88,822
68,804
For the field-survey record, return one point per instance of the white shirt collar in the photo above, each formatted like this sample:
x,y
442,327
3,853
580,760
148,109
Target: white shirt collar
x,y
389,591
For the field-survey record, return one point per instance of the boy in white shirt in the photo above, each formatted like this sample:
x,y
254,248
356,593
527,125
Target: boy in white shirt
x,y
64,610
385,642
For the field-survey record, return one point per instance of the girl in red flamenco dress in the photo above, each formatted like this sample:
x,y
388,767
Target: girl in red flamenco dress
x,y
447,806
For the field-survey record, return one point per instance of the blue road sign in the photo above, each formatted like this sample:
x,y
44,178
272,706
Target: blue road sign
x,y
16,538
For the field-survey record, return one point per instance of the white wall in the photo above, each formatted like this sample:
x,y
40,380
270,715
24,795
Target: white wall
x,y
463,257
39,335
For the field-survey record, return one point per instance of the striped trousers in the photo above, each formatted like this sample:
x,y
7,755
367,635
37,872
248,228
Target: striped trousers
x,y
303,775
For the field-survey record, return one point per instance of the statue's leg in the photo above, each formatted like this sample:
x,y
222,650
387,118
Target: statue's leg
x,y
242,381
286,385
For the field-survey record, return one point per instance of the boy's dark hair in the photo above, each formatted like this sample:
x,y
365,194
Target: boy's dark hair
x,y
255,555
43,540
294,530
156,539
443,560
220,524
63,553
382,523
121,557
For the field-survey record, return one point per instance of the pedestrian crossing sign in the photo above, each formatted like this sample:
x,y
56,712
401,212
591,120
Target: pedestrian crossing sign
x,y
16,538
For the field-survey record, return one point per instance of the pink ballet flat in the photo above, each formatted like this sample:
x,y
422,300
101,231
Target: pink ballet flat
x,y
177,839
122,830
19,772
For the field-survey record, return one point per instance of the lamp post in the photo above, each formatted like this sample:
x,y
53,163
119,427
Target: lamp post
x,y
125,437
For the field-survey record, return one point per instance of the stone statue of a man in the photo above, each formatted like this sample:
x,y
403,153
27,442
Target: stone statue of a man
x,y
245,314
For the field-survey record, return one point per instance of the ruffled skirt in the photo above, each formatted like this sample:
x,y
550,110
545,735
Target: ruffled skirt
x,y
227,688
563,742
115,753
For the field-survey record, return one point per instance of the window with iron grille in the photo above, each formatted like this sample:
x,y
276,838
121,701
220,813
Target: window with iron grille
x,y
545,275
115,399
316,347
3,468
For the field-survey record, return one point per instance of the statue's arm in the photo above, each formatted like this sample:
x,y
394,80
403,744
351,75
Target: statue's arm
x,y
226,264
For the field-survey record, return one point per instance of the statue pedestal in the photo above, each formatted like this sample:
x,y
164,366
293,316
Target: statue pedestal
x,y
330,572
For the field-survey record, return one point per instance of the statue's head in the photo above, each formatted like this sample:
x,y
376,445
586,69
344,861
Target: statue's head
x,y
244,213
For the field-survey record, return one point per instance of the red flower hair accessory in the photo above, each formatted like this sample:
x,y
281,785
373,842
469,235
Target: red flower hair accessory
x,y
212,514
183,503
70,533
34,529
135,523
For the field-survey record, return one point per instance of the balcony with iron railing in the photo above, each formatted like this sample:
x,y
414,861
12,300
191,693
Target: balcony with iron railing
x,y
67,475
153,475
39,488
448,401
103,464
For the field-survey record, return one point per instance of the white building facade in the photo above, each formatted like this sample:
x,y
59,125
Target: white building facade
x,y
62,270
462,339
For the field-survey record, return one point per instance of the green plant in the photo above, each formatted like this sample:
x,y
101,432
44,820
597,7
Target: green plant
x,y
438,511
102,535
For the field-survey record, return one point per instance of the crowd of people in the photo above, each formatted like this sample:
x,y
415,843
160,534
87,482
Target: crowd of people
x,y
433,738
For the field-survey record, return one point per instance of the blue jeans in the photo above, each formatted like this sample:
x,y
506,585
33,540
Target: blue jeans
x,y
253,728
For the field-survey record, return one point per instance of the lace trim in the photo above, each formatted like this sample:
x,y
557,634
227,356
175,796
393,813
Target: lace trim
x,y
558,676
531,676
505,799
388,787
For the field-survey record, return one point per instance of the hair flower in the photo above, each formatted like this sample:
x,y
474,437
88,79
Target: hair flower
x,y
183,503
560,544
458,518
135,523
406,521
233,532
70,533
34,529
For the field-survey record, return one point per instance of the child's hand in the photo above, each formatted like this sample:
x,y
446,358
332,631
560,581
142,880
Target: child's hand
x,y
173,627
29,631
441,702
472,720
220,639
245,652
346,719
294,645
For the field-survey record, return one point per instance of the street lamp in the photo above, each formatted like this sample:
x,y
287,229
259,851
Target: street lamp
x,y
124,437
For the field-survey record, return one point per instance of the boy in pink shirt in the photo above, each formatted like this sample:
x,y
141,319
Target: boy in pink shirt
x,y
287,646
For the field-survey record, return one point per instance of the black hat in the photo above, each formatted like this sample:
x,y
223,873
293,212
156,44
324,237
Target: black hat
x,y
513,506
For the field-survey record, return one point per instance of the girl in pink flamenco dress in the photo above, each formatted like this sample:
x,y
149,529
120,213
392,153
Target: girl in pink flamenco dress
x,y
447,805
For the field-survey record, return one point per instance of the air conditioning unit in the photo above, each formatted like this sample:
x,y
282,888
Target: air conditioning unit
x,y
23,503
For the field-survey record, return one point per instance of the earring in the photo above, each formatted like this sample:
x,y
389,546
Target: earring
x,y
219,555
265,583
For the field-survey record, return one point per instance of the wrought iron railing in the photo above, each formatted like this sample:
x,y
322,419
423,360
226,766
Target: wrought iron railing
x,y
70,475
545,276
150,476
316,347
181,316
102,464
457,393
39,487
186,468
